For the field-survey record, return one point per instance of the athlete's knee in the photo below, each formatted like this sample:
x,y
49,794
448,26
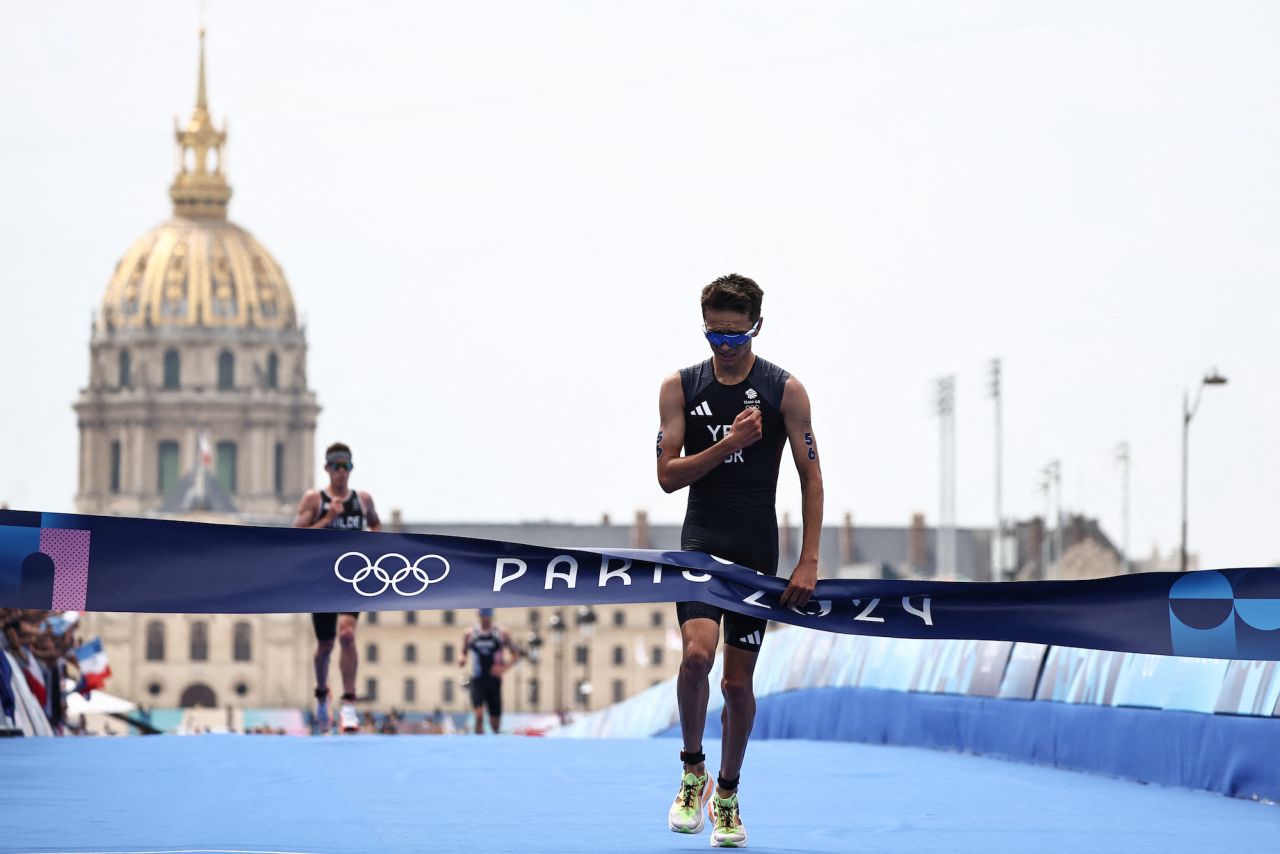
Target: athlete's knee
x,y
347,636
737,689
697,661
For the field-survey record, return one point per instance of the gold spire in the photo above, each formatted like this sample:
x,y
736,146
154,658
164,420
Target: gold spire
x,y
200,188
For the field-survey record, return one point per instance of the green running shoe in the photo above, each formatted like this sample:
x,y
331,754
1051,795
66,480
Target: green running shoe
x,y
726,823
686,814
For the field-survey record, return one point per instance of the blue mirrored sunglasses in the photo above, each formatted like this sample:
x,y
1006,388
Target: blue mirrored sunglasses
x,y
733,339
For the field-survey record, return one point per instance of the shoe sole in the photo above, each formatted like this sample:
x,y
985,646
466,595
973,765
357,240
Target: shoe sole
x,y
689,830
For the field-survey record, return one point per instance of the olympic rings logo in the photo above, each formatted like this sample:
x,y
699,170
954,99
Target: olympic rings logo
x,y
389,579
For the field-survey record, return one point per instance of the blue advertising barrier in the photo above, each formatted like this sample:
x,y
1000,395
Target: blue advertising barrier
x,y
99,563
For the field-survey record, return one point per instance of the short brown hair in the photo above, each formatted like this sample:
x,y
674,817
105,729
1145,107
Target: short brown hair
x,y
734,293
337,448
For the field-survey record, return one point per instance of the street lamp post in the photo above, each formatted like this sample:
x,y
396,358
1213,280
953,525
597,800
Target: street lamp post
x,y
1189,408
586,620
534,654
557,631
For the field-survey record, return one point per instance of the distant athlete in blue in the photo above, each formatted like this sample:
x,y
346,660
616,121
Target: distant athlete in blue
x,y
342,508
731,415
485,644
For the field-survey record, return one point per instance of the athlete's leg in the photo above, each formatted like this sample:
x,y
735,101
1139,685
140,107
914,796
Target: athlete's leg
x,y
477,702
699,636
700,631
326,628
348,658
739,711
495,706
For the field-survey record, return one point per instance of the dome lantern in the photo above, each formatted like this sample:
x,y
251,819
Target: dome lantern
x,y
200,187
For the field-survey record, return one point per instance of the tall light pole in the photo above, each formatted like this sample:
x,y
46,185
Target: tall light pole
x,y
997,533
1051,485
946,403
1189,408
1123,458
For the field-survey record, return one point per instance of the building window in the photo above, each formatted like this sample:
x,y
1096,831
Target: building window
x,y
410,653
226,370
242,688
154,689
580,653
619,618
446,691
371,689
619,656
115,468
448,653
155,641
167,470
447,618
619,691
279,469
373,618
172,369
200,641
410,618
410,690
655,657
273,370
226,466
371,653
242,642
534,693
655,619
126,369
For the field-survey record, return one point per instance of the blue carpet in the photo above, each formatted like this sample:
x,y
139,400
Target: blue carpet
x,y
405,793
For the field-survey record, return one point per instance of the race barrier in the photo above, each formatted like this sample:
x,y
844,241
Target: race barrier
x,y
101,563
1193,722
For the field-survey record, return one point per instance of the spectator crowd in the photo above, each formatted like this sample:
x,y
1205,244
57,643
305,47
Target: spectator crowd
x,y
37,658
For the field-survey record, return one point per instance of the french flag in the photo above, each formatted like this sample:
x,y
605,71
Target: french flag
x,y
94,666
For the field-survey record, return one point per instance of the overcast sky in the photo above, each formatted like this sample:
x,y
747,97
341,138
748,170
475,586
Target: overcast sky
x,y
496,218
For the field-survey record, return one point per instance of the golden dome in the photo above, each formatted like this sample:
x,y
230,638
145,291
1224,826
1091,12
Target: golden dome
x,y
199,269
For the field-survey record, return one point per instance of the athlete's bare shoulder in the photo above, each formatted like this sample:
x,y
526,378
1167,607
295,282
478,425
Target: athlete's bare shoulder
x,y
308,505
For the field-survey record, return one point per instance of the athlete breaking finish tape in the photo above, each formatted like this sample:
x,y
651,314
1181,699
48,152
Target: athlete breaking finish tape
x,y
731,415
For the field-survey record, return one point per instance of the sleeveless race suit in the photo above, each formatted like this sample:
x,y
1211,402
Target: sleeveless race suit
x,y
486,651
350,519
731,509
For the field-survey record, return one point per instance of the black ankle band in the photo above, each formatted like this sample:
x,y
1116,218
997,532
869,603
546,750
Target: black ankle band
x,y
348,698
692,758
321,693
728,785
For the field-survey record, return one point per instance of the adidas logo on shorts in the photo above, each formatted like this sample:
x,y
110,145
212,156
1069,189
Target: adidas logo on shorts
x,y
755,638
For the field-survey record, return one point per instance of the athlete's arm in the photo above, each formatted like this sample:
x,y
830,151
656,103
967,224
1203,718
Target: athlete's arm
x,y
371,520
676,472
511,647
466,648
798,422
309,506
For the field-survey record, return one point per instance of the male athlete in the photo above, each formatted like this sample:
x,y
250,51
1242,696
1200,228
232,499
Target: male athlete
x,y
341,508
731,414
485,642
